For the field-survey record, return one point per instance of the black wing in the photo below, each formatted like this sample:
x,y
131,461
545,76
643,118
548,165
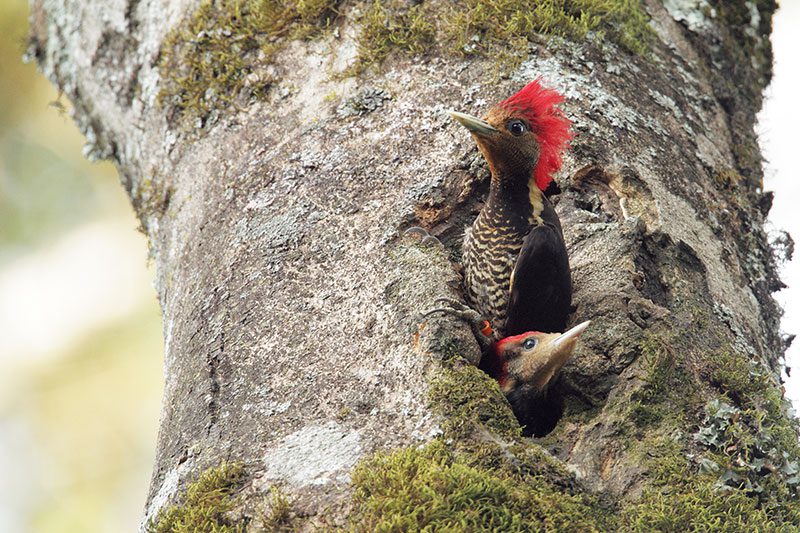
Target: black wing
x,y
541,285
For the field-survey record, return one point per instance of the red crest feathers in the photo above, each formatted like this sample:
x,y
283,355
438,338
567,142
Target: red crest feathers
x,y
548,123
500,346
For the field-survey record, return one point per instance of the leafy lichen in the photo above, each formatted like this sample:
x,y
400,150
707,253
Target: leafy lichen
x,y
716,440
681,499
739,471
749,436
206,505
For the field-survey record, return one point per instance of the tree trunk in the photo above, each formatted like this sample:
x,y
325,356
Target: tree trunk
x,y
296,358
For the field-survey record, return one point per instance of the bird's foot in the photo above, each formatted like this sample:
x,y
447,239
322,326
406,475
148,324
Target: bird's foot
x,y
421,234
483,329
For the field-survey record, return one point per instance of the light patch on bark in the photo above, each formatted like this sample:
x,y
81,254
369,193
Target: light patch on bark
x,y
314,455
692,13
166,491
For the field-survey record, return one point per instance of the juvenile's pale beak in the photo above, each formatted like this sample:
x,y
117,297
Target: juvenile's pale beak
x,y
554,355
473,124
571,336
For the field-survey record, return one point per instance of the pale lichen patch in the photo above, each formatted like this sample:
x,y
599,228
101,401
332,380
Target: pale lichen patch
x,y
314,455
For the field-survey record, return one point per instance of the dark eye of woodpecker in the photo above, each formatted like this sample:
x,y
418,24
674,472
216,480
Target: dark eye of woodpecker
x,y
517,127
529,344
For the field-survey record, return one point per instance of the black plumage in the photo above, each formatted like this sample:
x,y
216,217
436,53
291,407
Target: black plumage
x,y
541,286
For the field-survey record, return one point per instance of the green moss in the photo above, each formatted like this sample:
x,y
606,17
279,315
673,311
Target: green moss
x,y
218,53
383,30
744,471
479,475
667,388
150,198
680,499
435,488
470,400
206,505
499,28
217,57
735,375
738,471
750,436
727,178
280,517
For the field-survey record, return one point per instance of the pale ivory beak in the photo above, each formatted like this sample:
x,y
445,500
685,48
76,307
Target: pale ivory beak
x,y
474,124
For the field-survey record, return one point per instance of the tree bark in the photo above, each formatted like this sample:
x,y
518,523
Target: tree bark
x,y
291,298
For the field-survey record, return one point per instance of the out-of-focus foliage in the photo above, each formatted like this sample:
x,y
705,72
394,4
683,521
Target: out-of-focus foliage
x,y
93,413
45,183
77,423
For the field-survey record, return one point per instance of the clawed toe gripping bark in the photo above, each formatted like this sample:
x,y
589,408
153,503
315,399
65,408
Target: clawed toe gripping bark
x,y
422,234
480,326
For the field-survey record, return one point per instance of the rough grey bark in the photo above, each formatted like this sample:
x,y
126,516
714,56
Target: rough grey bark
x,y
290,298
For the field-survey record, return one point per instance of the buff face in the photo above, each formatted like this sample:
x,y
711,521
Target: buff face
x,y
535,358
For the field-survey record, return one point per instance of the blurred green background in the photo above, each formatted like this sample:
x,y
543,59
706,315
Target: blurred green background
x,y
80,333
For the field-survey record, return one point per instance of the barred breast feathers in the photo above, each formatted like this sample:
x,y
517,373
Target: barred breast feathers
x,y
490,253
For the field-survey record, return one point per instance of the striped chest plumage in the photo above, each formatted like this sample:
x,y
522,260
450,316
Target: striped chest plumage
x,y
491,247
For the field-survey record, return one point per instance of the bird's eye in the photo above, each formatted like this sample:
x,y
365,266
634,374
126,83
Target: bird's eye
x,y
517,127
529,344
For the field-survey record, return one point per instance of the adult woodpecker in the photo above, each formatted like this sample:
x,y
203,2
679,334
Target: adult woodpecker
x,y
516,268
526,366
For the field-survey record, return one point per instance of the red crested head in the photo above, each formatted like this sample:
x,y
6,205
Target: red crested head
x,y
522,137
533,357
505,343
551,128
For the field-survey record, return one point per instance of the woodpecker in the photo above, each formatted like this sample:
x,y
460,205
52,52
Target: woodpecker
x,y
516,268
526,366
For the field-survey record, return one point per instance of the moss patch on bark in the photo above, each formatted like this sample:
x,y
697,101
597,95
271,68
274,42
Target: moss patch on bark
x,y
219,55
501,28
205,505
680,499
479,475
719,442
470,400
438,488
215,57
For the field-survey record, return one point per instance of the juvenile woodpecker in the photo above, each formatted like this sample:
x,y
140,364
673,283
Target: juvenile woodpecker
x,y
516,268
526,366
